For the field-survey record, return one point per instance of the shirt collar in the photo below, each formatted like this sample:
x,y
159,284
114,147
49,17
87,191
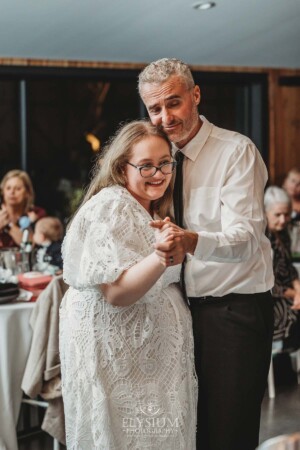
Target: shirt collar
x,y
193,148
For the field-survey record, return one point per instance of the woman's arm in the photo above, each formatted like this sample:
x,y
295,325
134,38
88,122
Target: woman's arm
x,y
296,297
296,285
16,233
294,294
135,282
12,229
289,293
4,219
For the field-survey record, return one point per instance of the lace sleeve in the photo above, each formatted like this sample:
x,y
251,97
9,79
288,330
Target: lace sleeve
x,y
104,239
171,275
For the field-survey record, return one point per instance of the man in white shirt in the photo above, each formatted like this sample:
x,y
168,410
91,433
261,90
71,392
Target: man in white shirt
x,y
228,268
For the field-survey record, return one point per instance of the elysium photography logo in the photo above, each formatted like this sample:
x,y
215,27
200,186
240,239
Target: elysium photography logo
x,y
154,426
151,420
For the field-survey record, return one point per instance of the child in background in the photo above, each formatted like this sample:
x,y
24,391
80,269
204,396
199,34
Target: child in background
x,y
48,235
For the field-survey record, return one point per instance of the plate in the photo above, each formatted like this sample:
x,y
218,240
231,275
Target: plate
x,y
8,298
4,286
10,291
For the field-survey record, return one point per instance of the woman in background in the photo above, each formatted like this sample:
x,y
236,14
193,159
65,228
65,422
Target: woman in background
x,y
286,291
17,202
291,185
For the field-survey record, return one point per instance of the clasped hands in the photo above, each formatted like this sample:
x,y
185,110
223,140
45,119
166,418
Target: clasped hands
x,y
172,242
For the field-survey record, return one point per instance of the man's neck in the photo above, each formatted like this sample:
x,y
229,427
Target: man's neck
x,y
191,136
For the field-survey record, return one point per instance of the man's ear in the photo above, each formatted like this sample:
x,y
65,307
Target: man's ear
x,y
197,94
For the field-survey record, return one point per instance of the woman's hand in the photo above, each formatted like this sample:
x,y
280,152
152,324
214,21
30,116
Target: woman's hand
x,y
173,251
168,231
32,216
4,218
296,301
168,245
296,285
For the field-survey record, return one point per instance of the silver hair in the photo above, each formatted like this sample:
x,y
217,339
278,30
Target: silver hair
x,y
274,195
159,71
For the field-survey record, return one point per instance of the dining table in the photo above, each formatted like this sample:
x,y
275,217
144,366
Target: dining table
x,y
15,340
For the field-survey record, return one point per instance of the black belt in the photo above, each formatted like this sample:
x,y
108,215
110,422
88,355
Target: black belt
x,y
209,299
193,301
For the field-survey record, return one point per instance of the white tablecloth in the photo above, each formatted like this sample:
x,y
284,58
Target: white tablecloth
x,y
15,339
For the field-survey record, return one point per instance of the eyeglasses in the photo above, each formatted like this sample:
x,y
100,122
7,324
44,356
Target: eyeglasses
x,y
148,171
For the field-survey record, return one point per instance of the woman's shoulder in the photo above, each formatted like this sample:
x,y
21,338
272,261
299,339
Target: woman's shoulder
x,y
108,202
108,196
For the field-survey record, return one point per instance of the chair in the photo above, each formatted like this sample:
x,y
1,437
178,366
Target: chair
x,y
42,372
277,347
41,404
283,442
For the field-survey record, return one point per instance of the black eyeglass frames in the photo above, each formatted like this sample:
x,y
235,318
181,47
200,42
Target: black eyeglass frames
x,y
148,171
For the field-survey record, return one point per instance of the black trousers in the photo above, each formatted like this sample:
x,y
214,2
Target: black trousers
x,y
233,341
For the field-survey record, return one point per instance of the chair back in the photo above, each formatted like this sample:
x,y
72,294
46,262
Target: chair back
x,y
283,442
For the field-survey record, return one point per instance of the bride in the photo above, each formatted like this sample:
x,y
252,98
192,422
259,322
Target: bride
x,y
125,331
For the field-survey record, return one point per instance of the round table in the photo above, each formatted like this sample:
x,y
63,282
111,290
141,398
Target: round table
x,y
15,339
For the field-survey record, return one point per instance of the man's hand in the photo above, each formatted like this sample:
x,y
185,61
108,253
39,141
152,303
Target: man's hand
x,y
173,242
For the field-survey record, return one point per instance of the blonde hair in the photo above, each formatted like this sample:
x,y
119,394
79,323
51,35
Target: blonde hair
x,y
159,71
109,167
24,177
51,227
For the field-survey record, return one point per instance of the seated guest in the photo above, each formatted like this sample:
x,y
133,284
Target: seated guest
x,y
17,203
48,235
286,291
291,185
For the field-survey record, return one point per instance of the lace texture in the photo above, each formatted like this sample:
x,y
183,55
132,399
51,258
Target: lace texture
x,y
128,374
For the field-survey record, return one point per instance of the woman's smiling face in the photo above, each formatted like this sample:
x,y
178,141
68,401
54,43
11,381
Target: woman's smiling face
x,y
150,151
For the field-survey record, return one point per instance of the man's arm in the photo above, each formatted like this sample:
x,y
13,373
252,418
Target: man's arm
x,y
241,215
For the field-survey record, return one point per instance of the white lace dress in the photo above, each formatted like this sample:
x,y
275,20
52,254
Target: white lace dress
x,y
128,372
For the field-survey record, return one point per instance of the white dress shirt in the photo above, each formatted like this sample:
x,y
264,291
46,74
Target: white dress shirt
x,y
223,188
